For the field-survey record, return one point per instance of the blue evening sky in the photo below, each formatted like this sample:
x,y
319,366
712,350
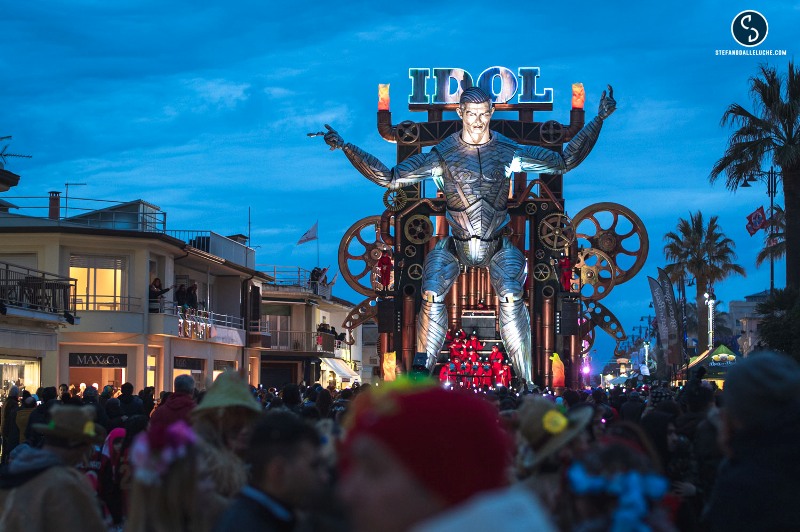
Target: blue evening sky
x,y
202,108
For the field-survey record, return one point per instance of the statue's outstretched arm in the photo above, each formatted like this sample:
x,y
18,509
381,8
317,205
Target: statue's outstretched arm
x,y
410,171
537,159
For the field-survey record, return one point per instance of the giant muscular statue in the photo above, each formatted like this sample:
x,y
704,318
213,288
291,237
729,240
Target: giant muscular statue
x,y
474,169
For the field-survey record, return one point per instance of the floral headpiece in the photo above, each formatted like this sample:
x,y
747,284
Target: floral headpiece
x,y
154,451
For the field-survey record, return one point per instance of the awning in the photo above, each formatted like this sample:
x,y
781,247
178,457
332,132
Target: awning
x,y
340,367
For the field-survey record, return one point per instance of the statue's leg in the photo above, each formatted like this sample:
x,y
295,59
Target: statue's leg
x,y
439,272
507,272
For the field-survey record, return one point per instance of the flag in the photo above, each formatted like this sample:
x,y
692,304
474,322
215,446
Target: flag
x,y
756,220
311,234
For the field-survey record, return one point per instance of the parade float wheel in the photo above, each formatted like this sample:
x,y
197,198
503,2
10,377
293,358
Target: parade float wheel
x,y
415,272
418,229
551,132
530,208
359,251
616,231
594,314
410,251
596,275
556,231
407,132
395,200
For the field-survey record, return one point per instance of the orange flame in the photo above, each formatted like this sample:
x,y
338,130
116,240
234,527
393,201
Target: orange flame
x,y
578,96
383,97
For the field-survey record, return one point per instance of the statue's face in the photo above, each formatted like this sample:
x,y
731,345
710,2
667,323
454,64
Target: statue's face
x,y
475,117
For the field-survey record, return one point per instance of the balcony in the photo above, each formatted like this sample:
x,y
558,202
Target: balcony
x,y
217,245
26,292
324,344
294,279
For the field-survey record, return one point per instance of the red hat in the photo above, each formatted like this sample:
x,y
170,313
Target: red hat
x,y
413,423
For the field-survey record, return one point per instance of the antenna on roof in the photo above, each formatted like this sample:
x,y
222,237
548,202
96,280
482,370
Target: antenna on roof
x,y
4,154
66,196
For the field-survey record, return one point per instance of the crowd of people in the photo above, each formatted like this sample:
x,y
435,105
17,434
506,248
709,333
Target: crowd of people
x,y
407,456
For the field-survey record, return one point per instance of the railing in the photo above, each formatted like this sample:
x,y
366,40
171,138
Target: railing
x,y
259,326
294,279
303,341
218,245
108,303
28,288
207,317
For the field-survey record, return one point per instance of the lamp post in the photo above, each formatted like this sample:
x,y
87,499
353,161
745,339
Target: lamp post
x,y
710,301
771,179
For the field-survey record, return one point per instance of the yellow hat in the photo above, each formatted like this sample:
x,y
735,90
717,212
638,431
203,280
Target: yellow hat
x,y
229,390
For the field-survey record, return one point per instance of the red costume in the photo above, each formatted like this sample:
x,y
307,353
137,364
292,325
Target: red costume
x,y
465,375
444,375
457,349
495,355
565,266
485,372
472,355
497,372
505,375
385,268
475,343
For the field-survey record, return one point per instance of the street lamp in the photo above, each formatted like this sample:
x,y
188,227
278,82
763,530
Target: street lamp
x,y
710,301
771,179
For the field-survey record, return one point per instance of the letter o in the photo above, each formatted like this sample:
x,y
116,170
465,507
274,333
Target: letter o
x,y
508,83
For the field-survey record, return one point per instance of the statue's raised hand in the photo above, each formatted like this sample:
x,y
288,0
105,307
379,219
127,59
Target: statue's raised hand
x,y
332,138
607,104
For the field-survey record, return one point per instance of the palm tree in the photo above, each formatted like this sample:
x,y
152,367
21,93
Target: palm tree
x,y
779,329
703,252
774,241
770,133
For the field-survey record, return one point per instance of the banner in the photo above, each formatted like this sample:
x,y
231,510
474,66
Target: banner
x,y
756,220
661,312
674,355
309,235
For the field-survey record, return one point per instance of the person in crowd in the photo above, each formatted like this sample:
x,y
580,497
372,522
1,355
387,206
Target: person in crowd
x,y
116,417
291,397
41,490
756,482
615,486
8,423
110,478
147,395
191,297
548,440
286,476
631,410
156,295
391,479
171,490
324,403
181,296
179,404
131,405
223,420
40,415
90,397
23,416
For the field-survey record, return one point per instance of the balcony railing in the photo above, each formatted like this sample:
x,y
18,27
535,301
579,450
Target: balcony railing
x,y
294,279
218,245
109,303
303,341
207,317
28,288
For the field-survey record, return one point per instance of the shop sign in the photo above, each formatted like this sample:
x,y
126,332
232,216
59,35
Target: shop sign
x,y
497,81
189,363
98,360
222,365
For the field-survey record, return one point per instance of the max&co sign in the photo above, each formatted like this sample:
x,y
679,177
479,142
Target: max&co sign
x,y
98,360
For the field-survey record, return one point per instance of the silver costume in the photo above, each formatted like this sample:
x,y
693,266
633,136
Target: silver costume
x,y
475,179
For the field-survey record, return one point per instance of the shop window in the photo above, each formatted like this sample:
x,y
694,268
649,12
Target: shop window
x,y
101,282
20,372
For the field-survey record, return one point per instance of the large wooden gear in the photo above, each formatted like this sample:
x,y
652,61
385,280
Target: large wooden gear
x,y
594,275
592,225
359,251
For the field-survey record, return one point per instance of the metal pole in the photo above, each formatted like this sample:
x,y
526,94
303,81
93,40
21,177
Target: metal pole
x,y
771,185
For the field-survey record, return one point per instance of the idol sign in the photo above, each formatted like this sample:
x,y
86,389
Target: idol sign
x,y
499,82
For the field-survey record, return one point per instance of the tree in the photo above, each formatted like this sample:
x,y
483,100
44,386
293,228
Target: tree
x,y
770,133
779,329
702,252
774,241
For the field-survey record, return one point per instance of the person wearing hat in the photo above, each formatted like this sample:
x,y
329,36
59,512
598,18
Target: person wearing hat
x,y
756,483
223,421
548,439
473,342
40,489
393,478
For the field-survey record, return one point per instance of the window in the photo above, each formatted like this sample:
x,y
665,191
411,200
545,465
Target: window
x,y
101,282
